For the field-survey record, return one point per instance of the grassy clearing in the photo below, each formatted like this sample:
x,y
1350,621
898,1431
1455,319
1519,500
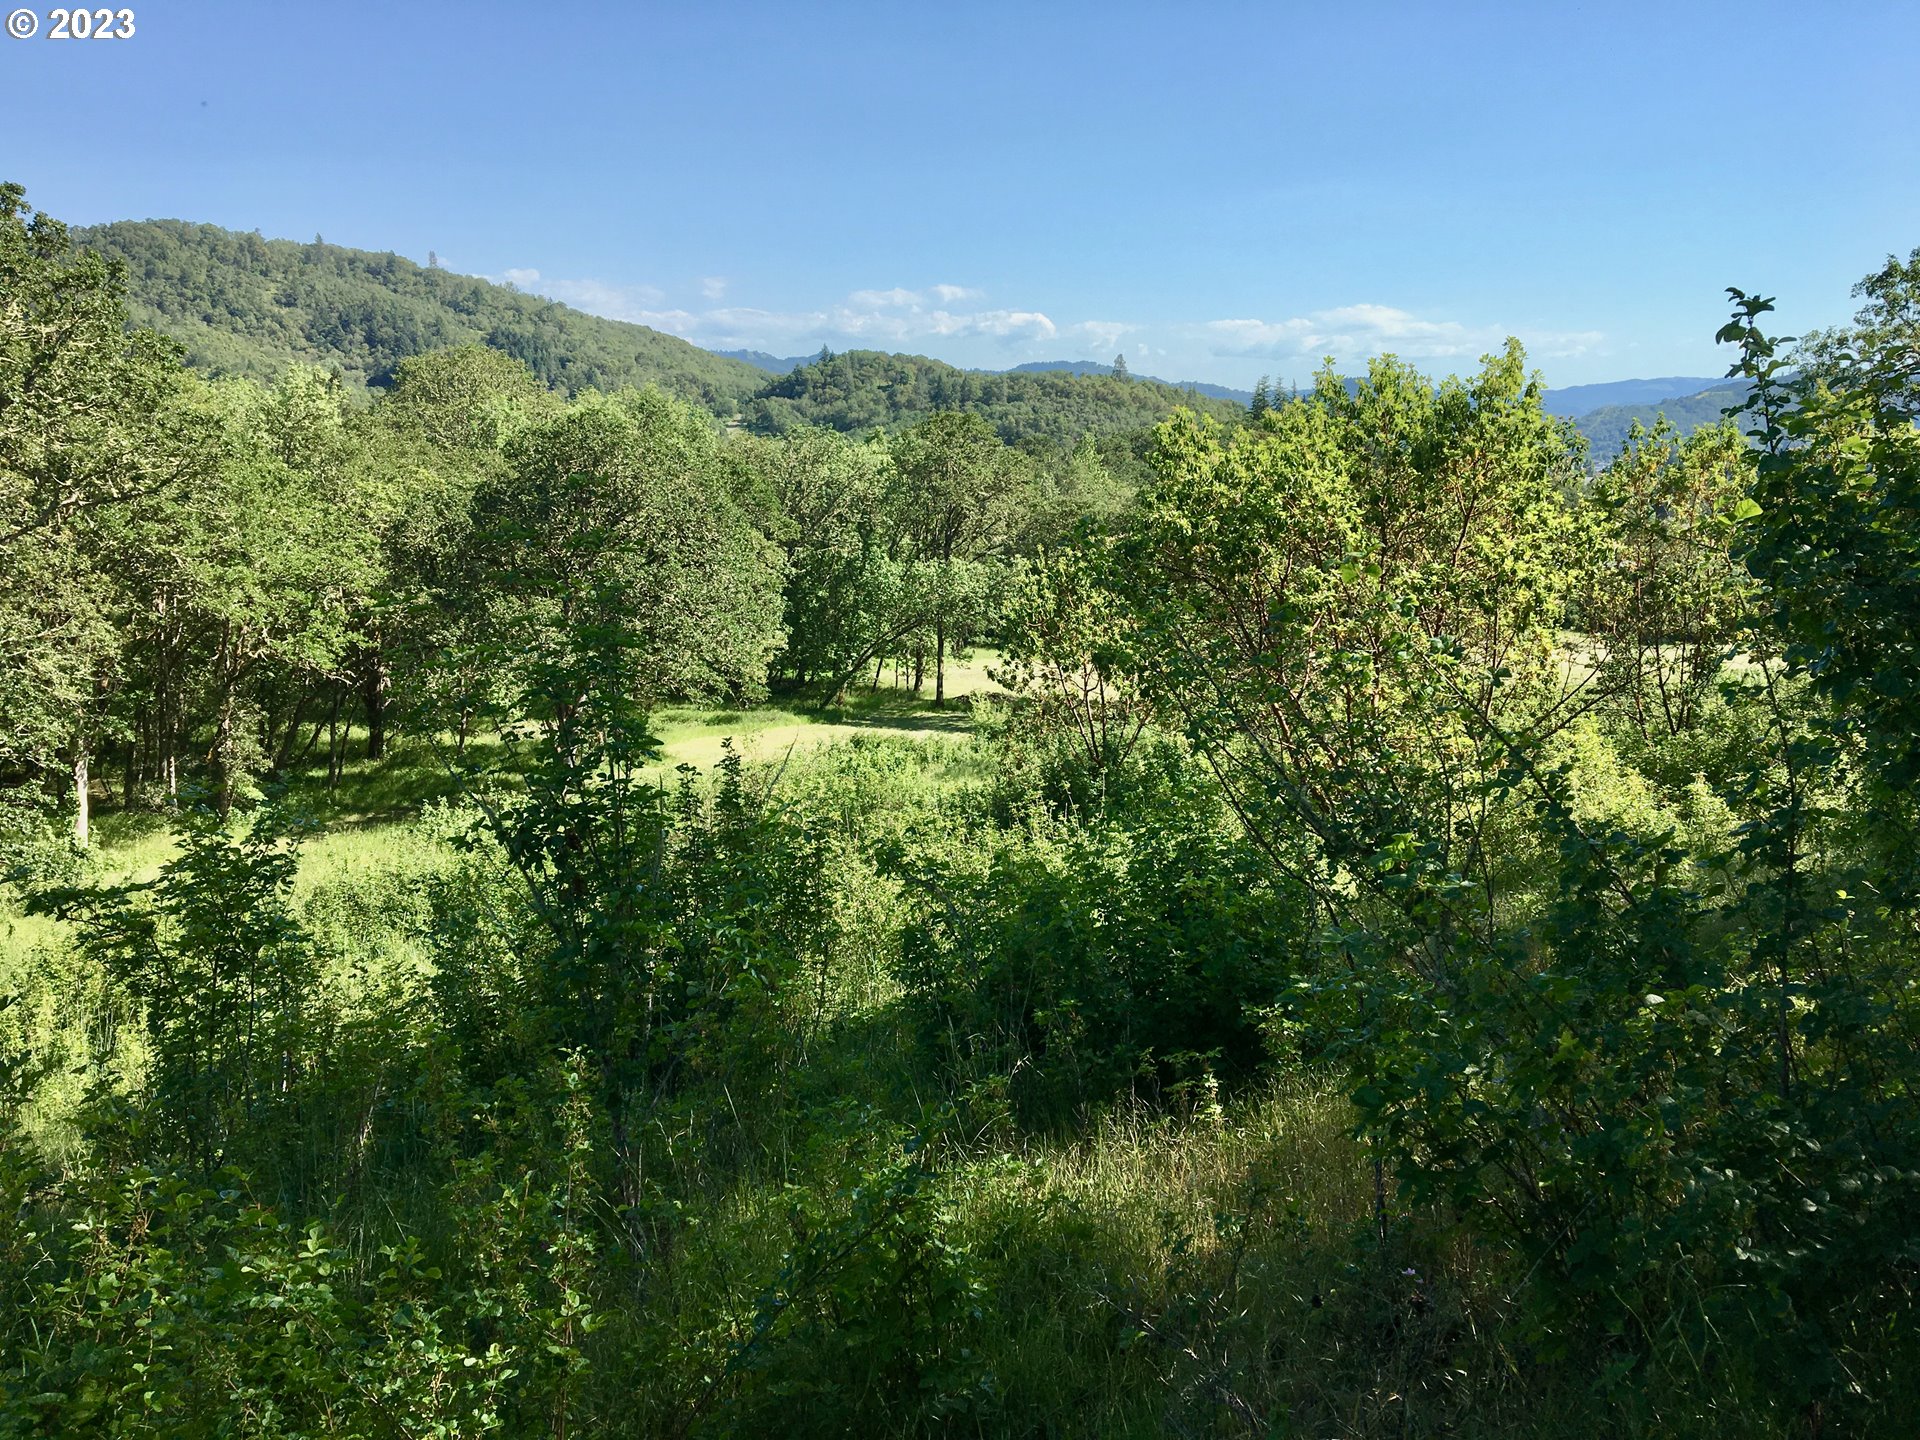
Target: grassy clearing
x,y
363,864
1219,1270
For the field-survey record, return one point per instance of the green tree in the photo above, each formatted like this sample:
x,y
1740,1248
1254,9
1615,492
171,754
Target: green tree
x,y
854,591
1348,605
959,487
1065,649
620,517
1671,596
92,416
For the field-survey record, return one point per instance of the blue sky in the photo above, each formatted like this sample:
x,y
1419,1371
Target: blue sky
x,y
1217,191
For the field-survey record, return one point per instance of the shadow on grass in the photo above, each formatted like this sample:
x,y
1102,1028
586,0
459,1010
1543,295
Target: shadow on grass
x,y
896,711
413,774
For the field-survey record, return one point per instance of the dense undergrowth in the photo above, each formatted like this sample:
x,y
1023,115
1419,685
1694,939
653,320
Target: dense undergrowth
x,y
1417,940
970,1124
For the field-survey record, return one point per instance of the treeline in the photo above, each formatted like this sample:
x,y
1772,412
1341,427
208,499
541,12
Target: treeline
x,y
858,391
212,582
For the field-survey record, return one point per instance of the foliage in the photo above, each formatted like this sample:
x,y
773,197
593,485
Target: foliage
x,y
1340,607
226,978
1671,598
870,1322
1422,944
1079,960
243,305
1064,652
858,391
613,526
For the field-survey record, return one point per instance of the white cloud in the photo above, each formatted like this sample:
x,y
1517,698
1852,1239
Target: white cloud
x,y
893,319
896,319
1358,332
616,302
947,320
942,295
1097,337
885,299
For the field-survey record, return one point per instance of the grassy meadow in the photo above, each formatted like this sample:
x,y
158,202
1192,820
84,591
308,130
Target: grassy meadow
x,y
1207,1260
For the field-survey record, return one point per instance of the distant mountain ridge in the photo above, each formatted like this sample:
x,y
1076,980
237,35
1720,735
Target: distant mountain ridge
x,y
1095,367
786,365
1604,412
861,390
243,304
1571,401
1608,427
246,305
761,360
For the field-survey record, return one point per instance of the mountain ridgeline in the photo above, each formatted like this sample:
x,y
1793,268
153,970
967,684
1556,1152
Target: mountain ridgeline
x,y
860,390
1608,427
250,306
245,305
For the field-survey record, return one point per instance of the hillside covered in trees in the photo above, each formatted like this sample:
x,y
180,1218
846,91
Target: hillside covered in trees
x,y
1608,428
860,390
244,305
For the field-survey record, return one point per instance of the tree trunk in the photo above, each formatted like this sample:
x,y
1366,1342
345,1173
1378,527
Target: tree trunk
x,y
333,742
940,664
375,698
292,737
82,796
223,757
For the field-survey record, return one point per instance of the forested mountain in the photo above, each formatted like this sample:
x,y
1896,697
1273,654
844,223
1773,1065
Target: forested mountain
x,y
860,390
1607,428
246,305
1572,401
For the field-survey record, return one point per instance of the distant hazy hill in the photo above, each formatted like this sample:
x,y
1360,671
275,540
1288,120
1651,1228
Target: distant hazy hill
x,y
1607,428
861,390
1095,367
1577,400
761,360
246,305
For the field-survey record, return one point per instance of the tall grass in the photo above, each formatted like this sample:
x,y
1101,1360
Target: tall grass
x,y
1222,1266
